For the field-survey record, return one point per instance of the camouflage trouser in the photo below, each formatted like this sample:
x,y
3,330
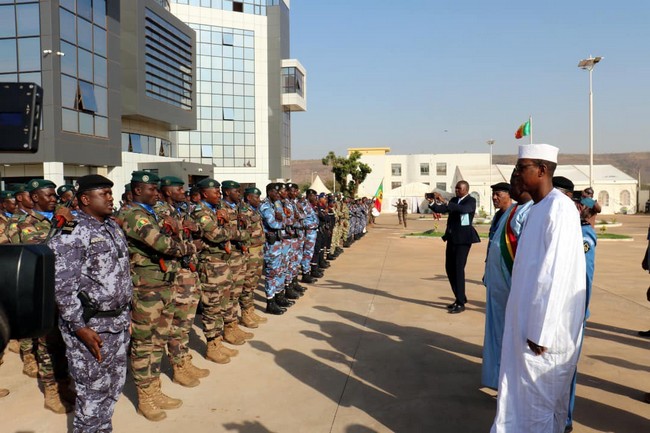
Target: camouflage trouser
x,y
216,282
345,230
26,346
336,236
308,250
273,268
187,291
50,352
237,264
253,272
98,385
151,316
298,246
288,255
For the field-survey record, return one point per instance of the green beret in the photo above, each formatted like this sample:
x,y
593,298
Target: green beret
x,y
252,191
4,195
145,177
127,187
228,184
35,184
208,183
63,189
171,181
18,188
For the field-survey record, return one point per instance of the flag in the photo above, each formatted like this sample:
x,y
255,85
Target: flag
x,y
379,196
523,130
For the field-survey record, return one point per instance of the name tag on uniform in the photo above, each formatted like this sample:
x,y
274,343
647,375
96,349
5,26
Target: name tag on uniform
x,y
96,240
464,219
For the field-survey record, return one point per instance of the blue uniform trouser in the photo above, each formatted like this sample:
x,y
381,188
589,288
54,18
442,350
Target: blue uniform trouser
x,y
274,267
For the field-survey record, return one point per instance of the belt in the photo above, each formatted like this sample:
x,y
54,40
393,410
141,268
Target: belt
x,y
112,313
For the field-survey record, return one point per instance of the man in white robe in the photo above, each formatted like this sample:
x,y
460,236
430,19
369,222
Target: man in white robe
x,y
546,307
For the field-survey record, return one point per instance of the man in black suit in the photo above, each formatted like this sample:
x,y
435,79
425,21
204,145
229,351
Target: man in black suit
x,y
459,235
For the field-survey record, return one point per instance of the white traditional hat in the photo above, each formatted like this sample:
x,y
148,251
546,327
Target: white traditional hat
x,y
538,151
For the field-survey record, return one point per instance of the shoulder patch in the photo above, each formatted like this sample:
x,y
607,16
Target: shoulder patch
x,y
68,227
587,247
141,222
28,230
204,219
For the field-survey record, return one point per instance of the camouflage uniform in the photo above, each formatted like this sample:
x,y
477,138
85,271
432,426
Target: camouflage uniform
x,y
310,223
273,252
299,241
186,286
345,222
93,258
4,225
288,243
154,266
255,257
239,237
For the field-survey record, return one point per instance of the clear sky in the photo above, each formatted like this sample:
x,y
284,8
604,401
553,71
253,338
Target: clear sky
x,y
442,76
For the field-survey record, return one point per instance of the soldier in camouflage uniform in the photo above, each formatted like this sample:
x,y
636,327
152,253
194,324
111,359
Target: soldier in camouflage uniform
x,y
155,260
8,206
310,224
35,227
289,243
249,210
299,236
215,274
175,222
67,198
93,293
345,223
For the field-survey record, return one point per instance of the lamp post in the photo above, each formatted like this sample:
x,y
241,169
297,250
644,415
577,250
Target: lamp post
x,y
588,64
490,143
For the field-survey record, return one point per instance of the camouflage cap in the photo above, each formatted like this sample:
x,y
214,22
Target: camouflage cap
x,y
208,183
254,191
4,195
145,177
35,184
228,184
63,189
171,181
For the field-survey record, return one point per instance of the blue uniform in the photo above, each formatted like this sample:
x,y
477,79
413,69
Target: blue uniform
x,y
274,250
310,223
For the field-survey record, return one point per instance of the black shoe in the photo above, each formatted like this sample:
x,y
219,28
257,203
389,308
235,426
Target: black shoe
x,y
339,250
451,306
568,429
308,278
331,257
459,308
291,293
273,308
282,300
317,273
644,333
297,287
324,264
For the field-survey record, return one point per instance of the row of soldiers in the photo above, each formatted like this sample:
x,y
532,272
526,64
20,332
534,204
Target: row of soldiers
x,y
133,293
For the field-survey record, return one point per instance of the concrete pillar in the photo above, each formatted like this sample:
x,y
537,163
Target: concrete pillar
x,y
53,171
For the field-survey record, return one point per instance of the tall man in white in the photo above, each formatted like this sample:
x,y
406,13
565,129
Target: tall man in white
x,y
546,307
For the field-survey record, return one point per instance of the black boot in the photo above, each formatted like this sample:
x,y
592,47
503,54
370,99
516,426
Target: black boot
x,y
291,293
323,264
331,257
282,300
273,308
339,250
297,287
316,272
308,278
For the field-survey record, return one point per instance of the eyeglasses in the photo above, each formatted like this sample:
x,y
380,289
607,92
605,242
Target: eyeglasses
x,y
521,167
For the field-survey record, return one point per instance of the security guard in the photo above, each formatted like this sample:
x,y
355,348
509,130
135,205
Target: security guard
x,y
155,260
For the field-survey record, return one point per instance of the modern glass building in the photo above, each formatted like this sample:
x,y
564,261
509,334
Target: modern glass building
x,y
247,87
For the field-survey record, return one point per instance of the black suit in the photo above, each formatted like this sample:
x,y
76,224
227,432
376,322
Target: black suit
x,y
459,240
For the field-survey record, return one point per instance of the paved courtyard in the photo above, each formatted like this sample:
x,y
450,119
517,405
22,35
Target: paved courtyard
x,y
371,348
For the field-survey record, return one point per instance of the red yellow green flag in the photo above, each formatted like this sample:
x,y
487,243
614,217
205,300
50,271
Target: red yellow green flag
x,y
379,196
523,130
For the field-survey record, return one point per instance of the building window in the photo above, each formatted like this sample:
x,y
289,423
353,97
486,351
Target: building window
x,y
237,6
86,97
625,198
603,198
441,186
394,185
137,143
424,169
255,7
441,169
20,46
396,169
292,81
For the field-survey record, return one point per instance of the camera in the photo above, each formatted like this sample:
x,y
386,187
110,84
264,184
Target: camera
x,y
429,196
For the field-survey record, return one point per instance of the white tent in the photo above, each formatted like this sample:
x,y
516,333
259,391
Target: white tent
x,y
318,186
413,193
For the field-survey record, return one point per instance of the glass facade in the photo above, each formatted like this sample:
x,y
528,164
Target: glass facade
x,y
138,143
292,81
168,62
20,45
286,138
84,84
225,134
256,7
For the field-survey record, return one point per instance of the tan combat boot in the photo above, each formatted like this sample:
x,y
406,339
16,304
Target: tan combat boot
x,y
30,366
182,375
162,400
4,392
195,371
245,335
14,346
215,352
53,399
146,406
258,318
247,319
231,335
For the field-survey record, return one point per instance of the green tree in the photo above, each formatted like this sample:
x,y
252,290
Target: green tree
x,y
343,167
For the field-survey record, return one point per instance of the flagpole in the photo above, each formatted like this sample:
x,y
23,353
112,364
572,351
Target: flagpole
x,y
530,120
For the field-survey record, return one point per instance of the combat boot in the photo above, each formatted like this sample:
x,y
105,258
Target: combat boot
x,y
30,366
247,318
53,400
146,406
14,346
273,308
182,375
66,392
258,318
195,371
245,335
316,272
215,351
296,286
331,257
282,301
339,250
308,278
162,400
291,293
231,335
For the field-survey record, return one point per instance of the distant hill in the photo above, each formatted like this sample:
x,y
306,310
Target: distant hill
x,y
629,163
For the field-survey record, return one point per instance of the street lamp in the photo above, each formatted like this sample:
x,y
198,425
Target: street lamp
x,y
490,142
588,64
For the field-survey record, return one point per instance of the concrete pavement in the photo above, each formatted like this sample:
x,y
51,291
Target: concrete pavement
x,y
371,348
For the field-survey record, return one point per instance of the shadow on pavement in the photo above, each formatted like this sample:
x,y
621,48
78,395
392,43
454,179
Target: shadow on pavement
x,y
621,363
247,427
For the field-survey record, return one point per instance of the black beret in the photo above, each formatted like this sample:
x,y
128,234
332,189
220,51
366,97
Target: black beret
x,y
229,184
274,186
171,181
145,177
311,191
35,184
293,185
92,181
208,183
501,186
253,190
562,183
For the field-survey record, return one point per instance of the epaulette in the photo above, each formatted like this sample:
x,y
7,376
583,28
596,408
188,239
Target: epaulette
x,y
69,227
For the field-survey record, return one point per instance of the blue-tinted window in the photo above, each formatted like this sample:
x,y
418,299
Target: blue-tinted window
x,y
28,20
101,96
69,61
68,91
100,70
228,39
29,54
85,60
69,4
85,9
70,120
68,24
136,145
99,40
85,34
7,22
99,12
8,59
87,101
86,124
